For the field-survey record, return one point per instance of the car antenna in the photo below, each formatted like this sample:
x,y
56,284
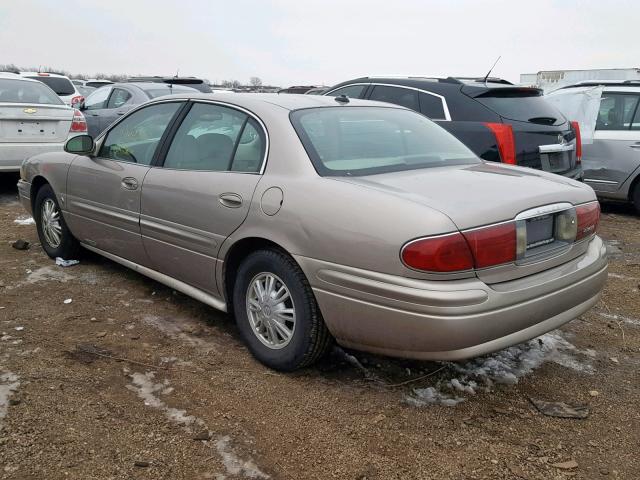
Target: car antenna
x,y
484,80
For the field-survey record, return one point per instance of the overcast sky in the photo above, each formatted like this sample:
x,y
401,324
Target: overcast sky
x,y
288,42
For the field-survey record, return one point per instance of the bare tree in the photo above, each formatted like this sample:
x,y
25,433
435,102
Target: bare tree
x,y
255,82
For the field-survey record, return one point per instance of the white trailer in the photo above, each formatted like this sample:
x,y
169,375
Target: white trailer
x,y
553,79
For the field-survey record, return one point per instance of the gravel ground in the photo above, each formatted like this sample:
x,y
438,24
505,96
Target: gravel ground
x,y
105,374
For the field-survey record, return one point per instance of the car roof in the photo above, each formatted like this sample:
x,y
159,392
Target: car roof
x,y
631,84
432,83
43,74
15,76
287,101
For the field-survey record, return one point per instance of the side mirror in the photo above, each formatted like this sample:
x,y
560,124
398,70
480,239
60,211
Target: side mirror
x,y
80,145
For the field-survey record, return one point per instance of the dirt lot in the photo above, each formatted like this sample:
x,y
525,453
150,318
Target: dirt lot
x,y
130,380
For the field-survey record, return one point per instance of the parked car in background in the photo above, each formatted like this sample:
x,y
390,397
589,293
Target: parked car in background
x,y
92,82
316,91
105,105
85,91
498,121
60,84
611,159
33,119
192,82
299,89
283,210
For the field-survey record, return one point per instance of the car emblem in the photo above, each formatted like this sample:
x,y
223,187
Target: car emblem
x,y
30,110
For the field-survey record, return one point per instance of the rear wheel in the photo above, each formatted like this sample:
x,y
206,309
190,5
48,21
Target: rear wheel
x,y
635,197
277,313
55,236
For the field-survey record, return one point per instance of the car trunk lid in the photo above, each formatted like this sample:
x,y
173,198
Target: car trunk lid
x,y
31,123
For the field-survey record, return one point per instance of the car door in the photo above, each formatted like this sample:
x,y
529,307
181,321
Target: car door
x,y
103,192
119,102
94,107
203,191
615,152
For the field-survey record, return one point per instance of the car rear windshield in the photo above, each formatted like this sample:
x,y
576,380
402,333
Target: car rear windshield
x,y
60,85
344,141
522,105
168,90
21,91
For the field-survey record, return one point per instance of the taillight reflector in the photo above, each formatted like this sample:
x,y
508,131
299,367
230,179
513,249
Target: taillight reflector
x,y
505,141
76,100
493,245
588,219
445,253
78,124
576,128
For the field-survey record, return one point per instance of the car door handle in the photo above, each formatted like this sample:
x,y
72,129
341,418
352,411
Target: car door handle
x,y
129,183
231,200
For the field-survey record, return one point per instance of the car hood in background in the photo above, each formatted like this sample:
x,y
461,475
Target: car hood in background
x,y
479,194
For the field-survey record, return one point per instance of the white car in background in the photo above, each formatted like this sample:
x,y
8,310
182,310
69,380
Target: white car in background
x,y
33,120
61,85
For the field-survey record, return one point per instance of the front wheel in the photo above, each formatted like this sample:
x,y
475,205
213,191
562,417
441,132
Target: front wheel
x,y
276,312
55,237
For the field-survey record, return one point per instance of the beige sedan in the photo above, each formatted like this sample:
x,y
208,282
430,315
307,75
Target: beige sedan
x,y
313,219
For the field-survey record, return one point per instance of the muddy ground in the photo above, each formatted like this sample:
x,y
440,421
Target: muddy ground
x,y
130,380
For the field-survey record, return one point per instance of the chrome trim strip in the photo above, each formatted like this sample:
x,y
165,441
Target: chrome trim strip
x,y
543,210
595,180
171,282
556,148
445,107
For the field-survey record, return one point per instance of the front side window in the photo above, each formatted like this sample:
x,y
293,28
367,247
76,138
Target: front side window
x,y
118,98
351,91
22,91
616,111
98,99
369,140
136,137
397,95
216,138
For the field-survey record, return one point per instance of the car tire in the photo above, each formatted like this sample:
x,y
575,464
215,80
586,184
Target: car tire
x,y
55,237
635,197
261,319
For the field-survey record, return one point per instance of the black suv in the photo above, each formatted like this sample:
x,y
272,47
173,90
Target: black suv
x,y
192,82
497,120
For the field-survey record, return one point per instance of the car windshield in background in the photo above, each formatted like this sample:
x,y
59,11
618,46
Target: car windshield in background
x,y
159,91
369,140
522,106
62,86
20,91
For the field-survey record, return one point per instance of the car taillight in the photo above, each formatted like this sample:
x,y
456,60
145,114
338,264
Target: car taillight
x,y
588,219
505,141
77,100
444,253
492,245
576,128
78,124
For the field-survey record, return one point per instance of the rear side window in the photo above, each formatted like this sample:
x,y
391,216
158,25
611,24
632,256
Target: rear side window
x,y
357,141
617,112
521,106
432,106
21,91
60,85
216,138
397,95
351,91
136,137
118,98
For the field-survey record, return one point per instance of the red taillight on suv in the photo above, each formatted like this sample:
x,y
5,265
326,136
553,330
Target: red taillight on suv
x,y
444,253
492,245
576,128
77,100
78,124
588,218
505,141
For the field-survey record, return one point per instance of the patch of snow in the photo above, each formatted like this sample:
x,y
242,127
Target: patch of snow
x,y
46,274
149,390
502,368
175,328
9,383
621,277
67,301
24,220
620,318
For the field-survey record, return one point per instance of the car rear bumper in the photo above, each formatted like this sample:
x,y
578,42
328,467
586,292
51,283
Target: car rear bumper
x,y
13,154
455,319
